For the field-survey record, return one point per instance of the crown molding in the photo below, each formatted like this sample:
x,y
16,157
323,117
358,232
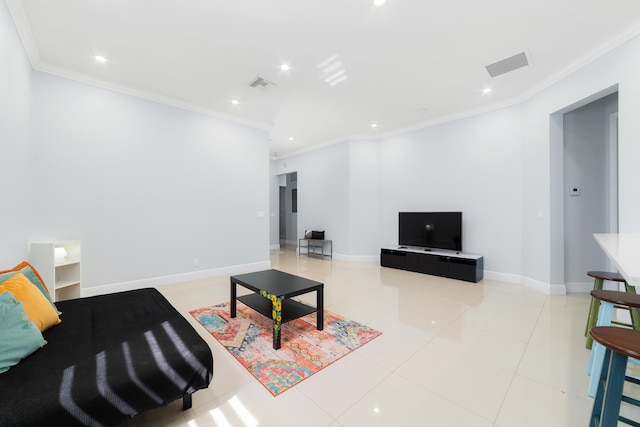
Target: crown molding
x,y
24,31
26,36
149,96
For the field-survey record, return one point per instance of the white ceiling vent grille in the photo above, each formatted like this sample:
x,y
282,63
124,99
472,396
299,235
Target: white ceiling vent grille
x,y
508,64
261,83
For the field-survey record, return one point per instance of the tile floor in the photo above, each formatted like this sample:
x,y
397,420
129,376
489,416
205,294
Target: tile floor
x,y
451,354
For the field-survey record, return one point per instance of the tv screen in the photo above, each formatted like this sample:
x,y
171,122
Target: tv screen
x,y
437,230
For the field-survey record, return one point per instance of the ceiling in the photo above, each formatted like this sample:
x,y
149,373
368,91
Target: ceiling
x,y
401,65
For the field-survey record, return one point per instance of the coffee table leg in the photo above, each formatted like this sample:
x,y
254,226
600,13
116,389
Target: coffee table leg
x,y
320,308
276,313
277,334
232,303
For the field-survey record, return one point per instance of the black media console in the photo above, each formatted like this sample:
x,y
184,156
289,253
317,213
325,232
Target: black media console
x,y
451,264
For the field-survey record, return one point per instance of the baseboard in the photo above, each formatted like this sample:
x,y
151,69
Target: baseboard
x,y
588,286
357,258
274,247
547,288
342,257
579,287
527,282
175,278
502,277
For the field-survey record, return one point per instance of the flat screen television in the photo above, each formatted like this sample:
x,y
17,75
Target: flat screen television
x,y
434,230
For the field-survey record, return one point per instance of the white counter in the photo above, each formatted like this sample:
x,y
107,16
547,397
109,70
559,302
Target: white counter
x,y
624,250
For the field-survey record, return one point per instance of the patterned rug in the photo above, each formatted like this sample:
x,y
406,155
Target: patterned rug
x,y
304,349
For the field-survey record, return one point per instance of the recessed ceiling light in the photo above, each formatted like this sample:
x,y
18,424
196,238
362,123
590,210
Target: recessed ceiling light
x,y
285,67
378,2
291,138
486,90
374,125
100,58
235,102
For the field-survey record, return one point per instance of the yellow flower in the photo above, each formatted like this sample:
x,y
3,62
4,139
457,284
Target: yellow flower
x,y
273,314
273,299
279,318
279,306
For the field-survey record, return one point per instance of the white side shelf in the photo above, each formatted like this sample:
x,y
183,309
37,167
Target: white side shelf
x,y
62,277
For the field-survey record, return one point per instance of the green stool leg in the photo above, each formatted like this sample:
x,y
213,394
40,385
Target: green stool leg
x,y
635,315
593,313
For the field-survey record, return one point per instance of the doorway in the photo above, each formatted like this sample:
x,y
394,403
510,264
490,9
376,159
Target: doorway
x,y
288,220
590,187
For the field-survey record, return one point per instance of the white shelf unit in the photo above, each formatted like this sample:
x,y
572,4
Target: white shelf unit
x,y
62,277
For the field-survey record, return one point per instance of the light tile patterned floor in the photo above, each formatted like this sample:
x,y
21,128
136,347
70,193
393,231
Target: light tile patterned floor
x,y
452,354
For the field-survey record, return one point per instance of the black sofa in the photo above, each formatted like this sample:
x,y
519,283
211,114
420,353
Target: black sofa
x,y
112,357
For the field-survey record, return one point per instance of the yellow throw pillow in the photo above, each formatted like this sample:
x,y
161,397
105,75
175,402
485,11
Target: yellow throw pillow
x,y
36,306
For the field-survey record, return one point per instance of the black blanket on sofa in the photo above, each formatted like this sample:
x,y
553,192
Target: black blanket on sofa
x,y
112,357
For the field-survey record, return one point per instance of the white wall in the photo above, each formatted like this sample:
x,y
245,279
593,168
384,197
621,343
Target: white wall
x,y
146,187
364,199
542,174
503,169
323,193
16,169
274,206
470,165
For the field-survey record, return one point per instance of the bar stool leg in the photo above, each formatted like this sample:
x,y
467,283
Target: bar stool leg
x,y
593,313
606,406
596,362
613,393
596,412
635,315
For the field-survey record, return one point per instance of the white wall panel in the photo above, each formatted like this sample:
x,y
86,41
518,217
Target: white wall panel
x,y
147,188
15,149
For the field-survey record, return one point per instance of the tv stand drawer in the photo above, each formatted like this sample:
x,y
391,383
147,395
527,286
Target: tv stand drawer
x,y
394,259
469,268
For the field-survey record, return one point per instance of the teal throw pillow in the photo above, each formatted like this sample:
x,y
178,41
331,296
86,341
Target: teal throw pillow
x,y
19,337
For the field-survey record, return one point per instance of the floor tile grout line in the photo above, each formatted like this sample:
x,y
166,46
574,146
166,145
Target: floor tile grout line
x,y
515,372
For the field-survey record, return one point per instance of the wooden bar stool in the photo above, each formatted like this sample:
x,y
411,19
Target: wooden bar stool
x,y
620,345
608,300
599,278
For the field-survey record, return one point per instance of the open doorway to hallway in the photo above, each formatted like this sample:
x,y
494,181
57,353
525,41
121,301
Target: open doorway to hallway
x,y
288,221
590,186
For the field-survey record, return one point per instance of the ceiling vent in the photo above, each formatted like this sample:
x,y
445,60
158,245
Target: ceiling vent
x,y
509,64
261,83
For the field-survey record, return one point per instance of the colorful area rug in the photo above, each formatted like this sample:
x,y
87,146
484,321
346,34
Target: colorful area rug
x,y
304,350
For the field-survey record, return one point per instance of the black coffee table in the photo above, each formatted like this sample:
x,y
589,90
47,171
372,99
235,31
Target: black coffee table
x,y
272,298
